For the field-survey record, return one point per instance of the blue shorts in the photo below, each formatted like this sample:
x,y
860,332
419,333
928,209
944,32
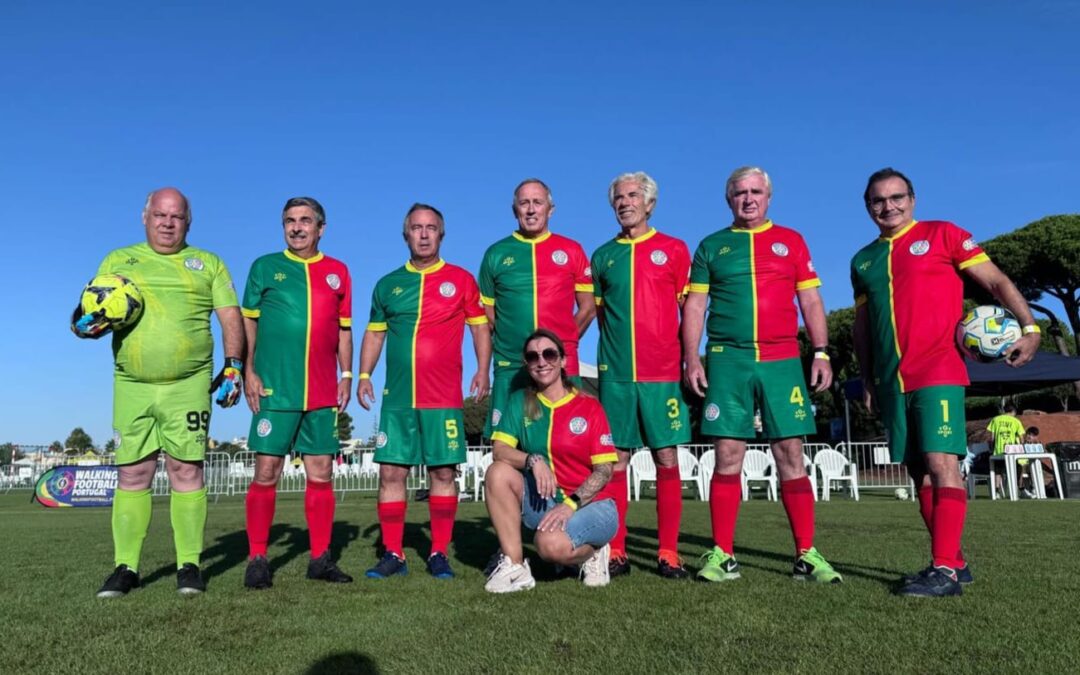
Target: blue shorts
x,y
593,524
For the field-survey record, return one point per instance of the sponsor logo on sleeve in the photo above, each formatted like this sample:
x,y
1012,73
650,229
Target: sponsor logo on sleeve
x,y
658,257
780,249
578,425
606,439
334,281
921,247
588,271
194,264
559,257
447,289
496,415
508,261
279,276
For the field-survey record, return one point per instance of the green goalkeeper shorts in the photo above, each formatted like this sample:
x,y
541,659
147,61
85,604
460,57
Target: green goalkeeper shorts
x,y
172,416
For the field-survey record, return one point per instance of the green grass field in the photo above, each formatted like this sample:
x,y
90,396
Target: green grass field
x,y
1020,616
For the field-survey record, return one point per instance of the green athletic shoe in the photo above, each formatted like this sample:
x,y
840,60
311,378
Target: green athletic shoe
x,y
811,566
719,566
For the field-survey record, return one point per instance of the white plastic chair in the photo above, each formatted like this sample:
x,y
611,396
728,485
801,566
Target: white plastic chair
x,y
758,466
689,468
367,464
643,469
833,466
811,472
706,466
479,469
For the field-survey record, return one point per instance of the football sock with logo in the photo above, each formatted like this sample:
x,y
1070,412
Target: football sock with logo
x,y
259,504
187,510
130,520
668,507
620,491
798,497
950,508
392,525
319,510
442,510
725,496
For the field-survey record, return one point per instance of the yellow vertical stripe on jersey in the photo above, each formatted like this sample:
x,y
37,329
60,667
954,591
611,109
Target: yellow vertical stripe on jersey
x,y
535,289
892,318
307,337
416,332
633,328
753,294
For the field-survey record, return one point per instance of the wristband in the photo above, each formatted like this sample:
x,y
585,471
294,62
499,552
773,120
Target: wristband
x,y
821,355
365,376
346,373
233,362
1033,328
569,501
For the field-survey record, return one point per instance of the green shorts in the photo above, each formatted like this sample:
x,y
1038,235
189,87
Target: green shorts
x,y
738,385
415,436
174,417
505,382
645,413
310,432
925,420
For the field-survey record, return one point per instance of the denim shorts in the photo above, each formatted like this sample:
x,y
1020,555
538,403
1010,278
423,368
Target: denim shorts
x,y
593,524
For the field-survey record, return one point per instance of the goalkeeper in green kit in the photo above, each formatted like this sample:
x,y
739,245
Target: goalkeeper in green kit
x,y
163,368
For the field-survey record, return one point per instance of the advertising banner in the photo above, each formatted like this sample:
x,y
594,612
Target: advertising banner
x,y
65,486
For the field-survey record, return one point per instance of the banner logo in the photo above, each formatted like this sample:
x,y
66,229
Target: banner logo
x,y
66,486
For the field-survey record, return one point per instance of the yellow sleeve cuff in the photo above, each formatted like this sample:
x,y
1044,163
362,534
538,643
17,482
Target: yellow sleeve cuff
x,y
809,283
975,260
476,320
699,288
504,438
250,313
345,322
377,326
485,300
605,458
583,288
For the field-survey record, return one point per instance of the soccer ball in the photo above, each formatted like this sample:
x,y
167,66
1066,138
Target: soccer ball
x,y
115,298
901,493
986,332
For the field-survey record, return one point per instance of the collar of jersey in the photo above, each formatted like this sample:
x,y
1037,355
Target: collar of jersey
x,y
753,230
904,230
304,261
543,237
636,240
427,270
561,402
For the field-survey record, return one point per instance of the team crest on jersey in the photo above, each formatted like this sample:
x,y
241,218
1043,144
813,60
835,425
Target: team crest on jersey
x,y
578,425
194,264
970,244
380,440
264,428
780,249
921,247
658,257
117,439
496,415
712,412
606,439
559,257
334,281
447,289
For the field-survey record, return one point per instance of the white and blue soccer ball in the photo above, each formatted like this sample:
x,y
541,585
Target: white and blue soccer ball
x,y
986,332
901,493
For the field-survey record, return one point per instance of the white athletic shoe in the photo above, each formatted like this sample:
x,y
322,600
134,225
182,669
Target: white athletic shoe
x,y
509,577
594,573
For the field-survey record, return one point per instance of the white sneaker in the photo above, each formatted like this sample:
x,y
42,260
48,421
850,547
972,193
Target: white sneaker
x,y
594,573
509,577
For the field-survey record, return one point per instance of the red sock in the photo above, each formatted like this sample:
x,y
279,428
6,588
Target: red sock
x,y
725,496
319,509
798,497
259,504
619,489
926,507
668,508
950,507
392,523
442,510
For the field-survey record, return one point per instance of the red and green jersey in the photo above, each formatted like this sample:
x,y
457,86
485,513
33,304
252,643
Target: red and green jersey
x,y
172,340
532,283
572,434
751,276
638,283
424,313
301,306
914,296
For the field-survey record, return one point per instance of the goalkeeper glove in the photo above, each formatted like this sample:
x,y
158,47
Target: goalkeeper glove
x,y
90,326
228,382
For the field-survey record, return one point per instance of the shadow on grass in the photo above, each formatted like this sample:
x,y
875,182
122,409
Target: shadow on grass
x,y
344,662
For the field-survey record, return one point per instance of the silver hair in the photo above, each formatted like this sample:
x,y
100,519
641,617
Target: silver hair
x,y
744,171
648,186
527,181
150,198
424,207
309,202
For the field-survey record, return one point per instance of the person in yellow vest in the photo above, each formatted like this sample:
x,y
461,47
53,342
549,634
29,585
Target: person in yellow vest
x,y
1005,429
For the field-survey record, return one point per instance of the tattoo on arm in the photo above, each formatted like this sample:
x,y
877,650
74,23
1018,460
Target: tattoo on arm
x,y
596,481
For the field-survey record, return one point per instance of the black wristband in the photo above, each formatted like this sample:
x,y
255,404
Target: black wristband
x,y
574,498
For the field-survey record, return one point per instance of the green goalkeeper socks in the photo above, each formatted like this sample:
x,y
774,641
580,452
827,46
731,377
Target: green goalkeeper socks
x,y
130,521
188,513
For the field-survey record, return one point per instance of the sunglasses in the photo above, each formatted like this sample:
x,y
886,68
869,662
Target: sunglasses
x,y
551,355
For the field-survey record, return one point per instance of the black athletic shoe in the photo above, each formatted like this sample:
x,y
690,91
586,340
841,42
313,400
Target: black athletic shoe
x,y
963,575
119,583
258,574
617,567
324,569
189,580
670,569
937,582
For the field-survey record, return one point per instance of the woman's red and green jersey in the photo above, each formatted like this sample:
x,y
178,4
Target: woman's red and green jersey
x,y
533,283
424,312
572,434
301,306
638,284
752,276
911,287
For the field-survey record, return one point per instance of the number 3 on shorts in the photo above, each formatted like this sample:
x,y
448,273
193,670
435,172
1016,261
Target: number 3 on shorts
x,y
451,429
673,408
796,395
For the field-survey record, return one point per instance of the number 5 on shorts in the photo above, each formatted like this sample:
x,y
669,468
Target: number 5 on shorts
x,y
451,429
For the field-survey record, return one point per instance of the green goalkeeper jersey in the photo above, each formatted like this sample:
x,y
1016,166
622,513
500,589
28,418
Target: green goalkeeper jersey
x,y
172,340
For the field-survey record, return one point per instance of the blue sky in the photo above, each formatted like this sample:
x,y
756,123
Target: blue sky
x,y
370,107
